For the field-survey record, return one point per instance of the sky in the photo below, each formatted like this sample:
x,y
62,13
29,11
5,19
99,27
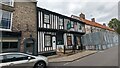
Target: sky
x,y
103,10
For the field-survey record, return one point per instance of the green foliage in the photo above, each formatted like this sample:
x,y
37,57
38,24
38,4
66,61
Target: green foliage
x,y
115,24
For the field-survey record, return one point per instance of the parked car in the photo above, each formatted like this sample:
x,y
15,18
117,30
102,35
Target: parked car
x,y
21,59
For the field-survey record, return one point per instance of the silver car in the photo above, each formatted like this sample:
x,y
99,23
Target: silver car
x,y
21,59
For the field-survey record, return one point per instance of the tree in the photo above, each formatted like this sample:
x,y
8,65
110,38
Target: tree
x,y
115,24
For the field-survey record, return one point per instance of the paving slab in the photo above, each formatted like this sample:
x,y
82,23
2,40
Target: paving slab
x,y
72,57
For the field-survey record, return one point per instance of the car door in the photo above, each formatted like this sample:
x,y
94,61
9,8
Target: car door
x,y
20,60
2,63
15,59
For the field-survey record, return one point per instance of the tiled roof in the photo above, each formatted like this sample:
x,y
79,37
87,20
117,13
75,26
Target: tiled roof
x,y
88,22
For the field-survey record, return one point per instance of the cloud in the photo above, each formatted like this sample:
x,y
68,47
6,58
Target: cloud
x,y
102,10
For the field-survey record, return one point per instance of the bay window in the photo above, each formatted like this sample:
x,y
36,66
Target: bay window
x,y
5,19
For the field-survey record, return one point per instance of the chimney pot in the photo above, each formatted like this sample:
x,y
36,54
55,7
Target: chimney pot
x,y
104,24
93,19
82,15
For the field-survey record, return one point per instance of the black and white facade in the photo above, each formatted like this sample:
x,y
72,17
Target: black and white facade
x,y
56,31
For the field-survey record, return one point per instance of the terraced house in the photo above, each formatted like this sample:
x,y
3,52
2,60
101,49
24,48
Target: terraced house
x,y
18,29
24,27
91,25
27,28
57,31
97,36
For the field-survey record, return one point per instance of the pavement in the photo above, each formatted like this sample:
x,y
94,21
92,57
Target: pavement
x,y
108,57
70,58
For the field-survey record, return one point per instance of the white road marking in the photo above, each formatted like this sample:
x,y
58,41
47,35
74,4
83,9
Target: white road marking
x,y
78,60
100,51
66,63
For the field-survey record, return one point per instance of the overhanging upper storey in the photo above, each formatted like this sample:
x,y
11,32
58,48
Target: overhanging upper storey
x,y
55,21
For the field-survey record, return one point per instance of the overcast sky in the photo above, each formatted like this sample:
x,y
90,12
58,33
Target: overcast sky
x,y
102,10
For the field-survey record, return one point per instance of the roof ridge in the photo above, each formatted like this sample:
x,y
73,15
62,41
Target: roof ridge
x,y
96,24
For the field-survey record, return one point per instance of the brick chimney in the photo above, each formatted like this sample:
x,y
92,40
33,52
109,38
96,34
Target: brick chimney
x,y
82,15
93,19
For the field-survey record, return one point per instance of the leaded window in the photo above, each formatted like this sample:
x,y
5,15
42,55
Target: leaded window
x,y
46,21
48,40
60,23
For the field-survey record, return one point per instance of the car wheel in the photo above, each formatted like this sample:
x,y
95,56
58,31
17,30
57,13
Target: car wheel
x,y
40,65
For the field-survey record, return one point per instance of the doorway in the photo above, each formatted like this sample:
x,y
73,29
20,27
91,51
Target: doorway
x,y
30,46
54,42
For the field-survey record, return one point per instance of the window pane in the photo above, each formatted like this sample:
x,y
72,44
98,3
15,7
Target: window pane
x,y
80,27
47,40
72,24
1,58
68,25
7,2
0,16
6,14
13,45
69,40
6,20
61,21
48,26
46,18
5,45
75,26
15,57
59,39
5,24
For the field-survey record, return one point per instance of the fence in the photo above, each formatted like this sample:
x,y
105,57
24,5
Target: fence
x,y
100,40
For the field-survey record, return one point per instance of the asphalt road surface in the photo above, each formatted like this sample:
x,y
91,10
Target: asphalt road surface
x,y
108,57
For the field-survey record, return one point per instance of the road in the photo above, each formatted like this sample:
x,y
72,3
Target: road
x,y
108,57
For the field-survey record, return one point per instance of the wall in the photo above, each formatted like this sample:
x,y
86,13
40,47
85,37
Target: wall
x,y
25,13
88,29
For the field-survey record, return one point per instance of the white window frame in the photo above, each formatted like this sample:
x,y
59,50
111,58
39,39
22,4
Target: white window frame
x,y
11,3
2,29
61,24
46,18
72,24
